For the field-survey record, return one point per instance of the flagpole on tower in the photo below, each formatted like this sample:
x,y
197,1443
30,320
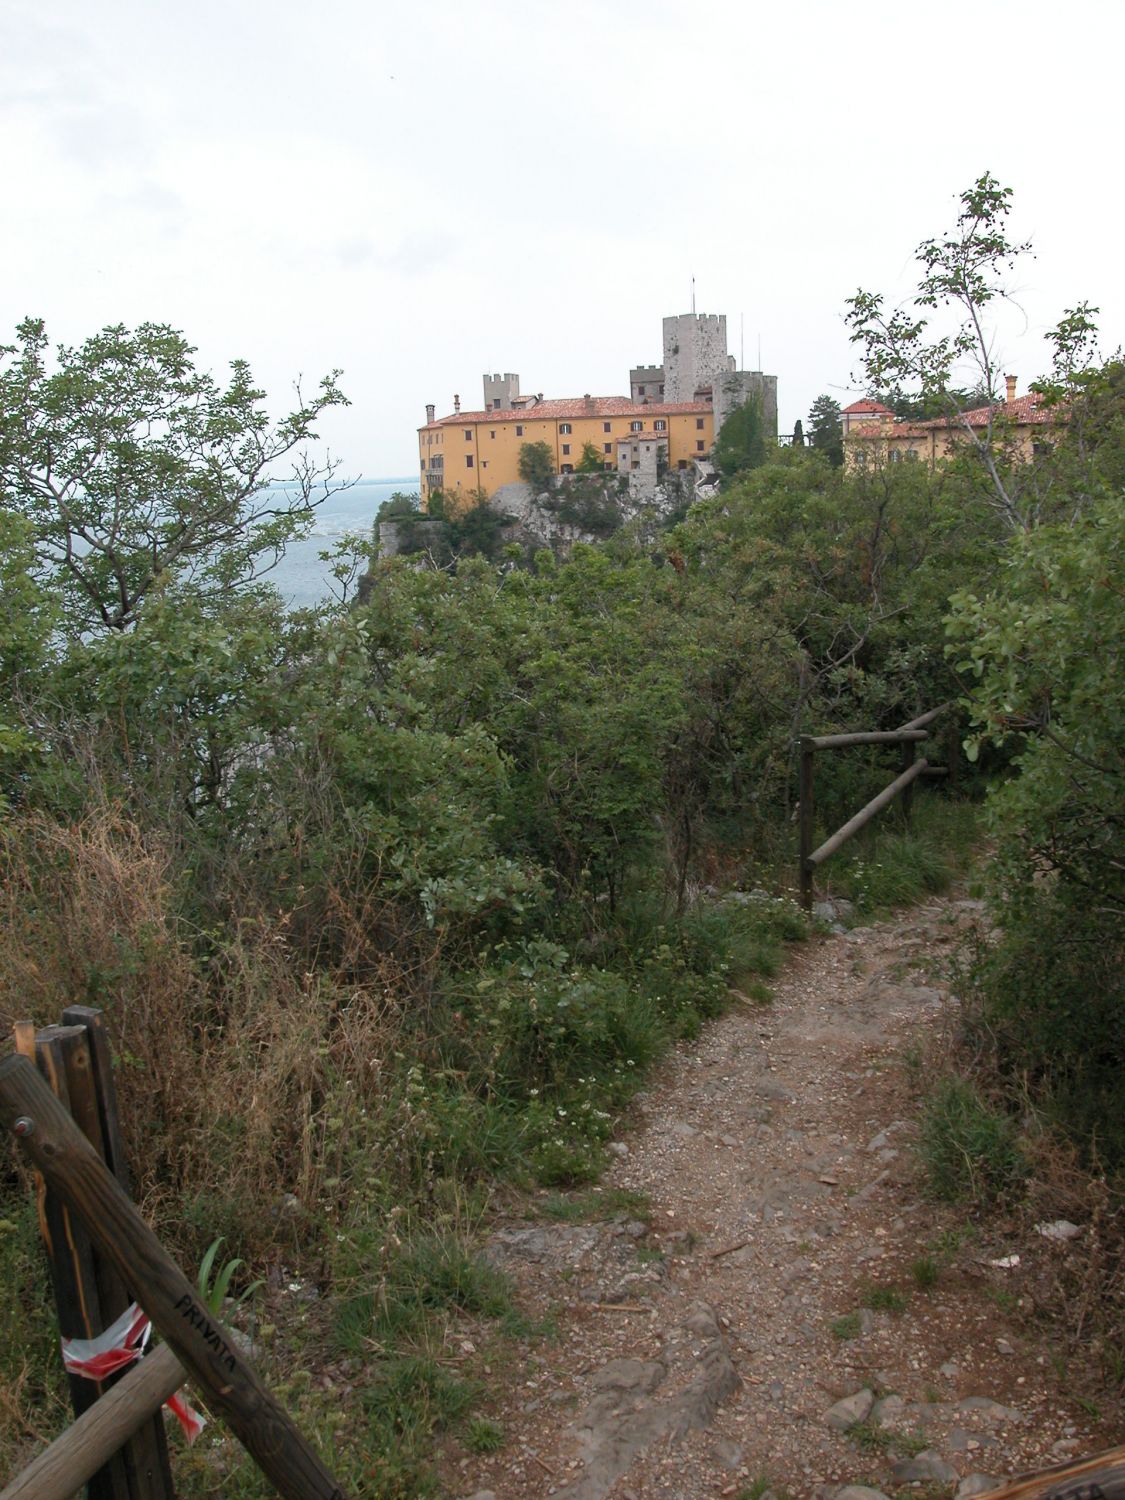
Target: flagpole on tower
x,y
693,296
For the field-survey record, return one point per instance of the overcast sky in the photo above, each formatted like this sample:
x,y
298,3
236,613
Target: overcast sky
x,y
416,193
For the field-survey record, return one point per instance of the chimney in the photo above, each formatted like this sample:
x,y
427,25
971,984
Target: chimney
x,y
457,403
1010,382
429,412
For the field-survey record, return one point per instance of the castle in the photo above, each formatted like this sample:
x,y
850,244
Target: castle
x,y
669,420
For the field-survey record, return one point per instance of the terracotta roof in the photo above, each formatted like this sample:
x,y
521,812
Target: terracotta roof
x,y
575,406
866,408
1024,411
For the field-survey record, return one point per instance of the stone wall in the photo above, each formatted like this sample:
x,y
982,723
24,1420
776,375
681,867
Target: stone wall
x,y
733,387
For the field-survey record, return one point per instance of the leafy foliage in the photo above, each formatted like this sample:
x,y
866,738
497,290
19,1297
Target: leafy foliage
x,y
536,465
136,471
826,432
741,444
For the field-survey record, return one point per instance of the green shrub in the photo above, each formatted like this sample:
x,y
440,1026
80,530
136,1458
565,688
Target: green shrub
x,y
893,866
483,1435
884,1299
1051,998
431,1272
845,1327
970,1150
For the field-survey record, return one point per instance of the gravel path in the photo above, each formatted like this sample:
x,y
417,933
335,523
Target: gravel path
x,y
772,1294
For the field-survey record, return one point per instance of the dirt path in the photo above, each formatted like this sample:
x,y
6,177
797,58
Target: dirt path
x,y
704,1352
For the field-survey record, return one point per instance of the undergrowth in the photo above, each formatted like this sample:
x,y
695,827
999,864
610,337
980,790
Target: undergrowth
x,y
343,1137
892,865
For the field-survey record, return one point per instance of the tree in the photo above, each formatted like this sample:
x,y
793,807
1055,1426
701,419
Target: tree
x,y
963,273
926,405
798,434
536,465
591,461
826,431
741,444
137,471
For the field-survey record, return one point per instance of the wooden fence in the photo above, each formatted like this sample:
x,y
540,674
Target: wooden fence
x,y
57,1100
908,738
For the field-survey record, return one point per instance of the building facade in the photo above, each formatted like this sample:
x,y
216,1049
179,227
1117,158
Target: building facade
x,y
874,435
670,419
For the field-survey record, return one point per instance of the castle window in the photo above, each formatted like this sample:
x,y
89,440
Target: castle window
x,y
468,434
566,446
468,460
606,427
682,464
519,431
699,446
496,403
607,447
564,427
660,424
607,466
640,390
699,424
636,426
568,468
492,434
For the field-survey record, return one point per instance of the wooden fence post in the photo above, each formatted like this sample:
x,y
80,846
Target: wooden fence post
x,y
909,750
89,1294
64,1467
74,1278
205,1348
805,815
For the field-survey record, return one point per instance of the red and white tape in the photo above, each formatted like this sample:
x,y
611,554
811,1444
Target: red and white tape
x,y
121,1344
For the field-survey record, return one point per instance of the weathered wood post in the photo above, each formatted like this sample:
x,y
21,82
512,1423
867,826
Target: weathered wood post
x,y
90,1442
906,760
207,1350
805,816
89,1292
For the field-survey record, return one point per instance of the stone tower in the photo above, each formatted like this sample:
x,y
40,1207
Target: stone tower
x,y
500,391
695,354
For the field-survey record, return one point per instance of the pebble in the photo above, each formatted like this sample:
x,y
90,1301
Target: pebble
x,y
1058,1229
853,1408
927,1466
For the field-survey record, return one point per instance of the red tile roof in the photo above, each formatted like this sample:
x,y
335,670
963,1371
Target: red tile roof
x,y
866,408
1024,411
575,406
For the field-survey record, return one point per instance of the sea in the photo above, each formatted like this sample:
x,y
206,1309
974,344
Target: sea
x,y
302,577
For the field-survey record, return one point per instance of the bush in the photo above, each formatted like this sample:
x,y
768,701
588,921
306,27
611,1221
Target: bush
x,y
1051,995
970,1151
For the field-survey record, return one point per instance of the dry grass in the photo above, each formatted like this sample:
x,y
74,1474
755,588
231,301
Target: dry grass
x,y
249,1086
1080,1283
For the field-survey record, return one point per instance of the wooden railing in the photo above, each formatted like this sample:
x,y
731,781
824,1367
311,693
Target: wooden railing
x,y
56,1100
908,737
1101,1477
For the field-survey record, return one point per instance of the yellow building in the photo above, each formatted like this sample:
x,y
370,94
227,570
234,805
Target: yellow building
x,y
874,435
471,452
